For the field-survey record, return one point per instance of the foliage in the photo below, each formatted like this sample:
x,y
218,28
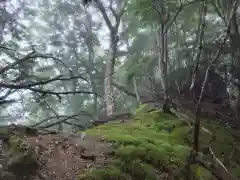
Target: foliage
x,y
155,141
78,40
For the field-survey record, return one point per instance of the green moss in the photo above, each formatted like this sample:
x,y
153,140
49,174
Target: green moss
x,y
154,142
137,169
199,173
105,173
145,145
20,160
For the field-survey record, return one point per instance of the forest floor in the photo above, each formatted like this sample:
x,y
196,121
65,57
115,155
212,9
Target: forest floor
x,y
64,156
153,146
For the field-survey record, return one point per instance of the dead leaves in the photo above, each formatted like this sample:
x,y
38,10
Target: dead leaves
x,y
64,156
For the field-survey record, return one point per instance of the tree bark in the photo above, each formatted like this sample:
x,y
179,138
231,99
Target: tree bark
x,y
235,45
91,57
109,96
136,89
114,39
162,64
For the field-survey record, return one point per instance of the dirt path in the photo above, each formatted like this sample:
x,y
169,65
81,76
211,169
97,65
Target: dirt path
x,y
64,157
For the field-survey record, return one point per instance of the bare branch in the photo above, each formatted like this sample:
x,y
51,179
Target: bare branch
x,y
234,8
2,102
61,93
182,6
217,168
53,111
104,14
74,124
64,116
197,59
112,10
223,174
60,121
220,14
18,61
117,15
10,91
168,21
236,4
122,10
25,86
5,48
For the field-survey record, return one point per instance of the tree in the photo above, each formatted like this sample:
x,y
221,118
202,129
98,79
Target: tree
x,y
114,39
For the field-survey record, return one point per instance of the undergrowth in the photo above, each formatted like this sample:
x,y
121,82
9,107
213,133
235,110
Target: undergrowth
x,y
155,146
20,162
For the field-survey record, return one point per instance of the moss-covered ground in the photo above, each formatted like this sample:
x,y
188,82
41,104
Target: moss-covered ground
x,y
155,146
19,161
152,146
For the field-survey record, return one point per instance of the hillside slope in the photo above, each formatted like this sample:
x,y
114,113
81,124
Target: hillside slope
x,y
153,146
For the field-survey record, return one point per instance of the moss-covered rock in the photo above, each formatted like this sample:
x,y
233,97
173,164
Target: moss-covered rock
x,y
155,146
20,162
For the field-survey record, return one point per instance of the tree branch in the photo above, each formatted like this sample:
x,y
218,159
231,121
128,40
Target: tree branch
x,y
221,15
104,14
60,121
63,116
29,85
224,174
73,124
182,6
10,91
60,93
18,61
2,102
197,59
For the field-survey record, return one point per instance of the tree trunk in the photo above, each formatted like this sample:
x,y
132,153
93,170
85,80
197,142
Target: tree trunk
x,y
93,85
109,97
235,45
91,58
114,39
136,89
162,64
238,103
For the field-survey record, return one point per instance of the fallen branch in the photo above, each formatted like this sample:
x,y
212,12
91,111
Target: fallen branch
x,y
74,124
60,121
216,167
65,118
121,116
